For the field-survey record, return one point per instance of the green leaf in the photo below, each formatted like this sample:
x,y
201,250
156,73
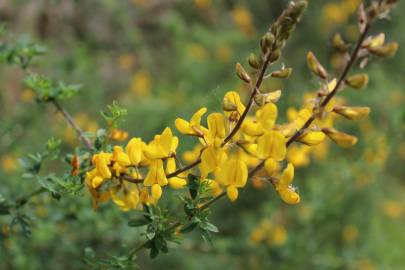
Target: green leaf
x,y
188,228
138,222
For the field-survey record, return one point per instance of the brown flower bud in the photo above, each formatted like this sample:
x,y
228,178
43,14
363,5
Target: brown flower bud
x,y
352,113
284,73
386,50
252,60
340,138
242,74
315,66
266,42
357,81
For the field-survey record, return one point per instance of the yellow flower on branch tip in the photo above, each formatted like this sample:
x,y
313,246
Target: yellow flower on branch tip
x,y
216,129
312,138
134,150
156,174
272,145
101,161
211,158
193,127
233,174
340,138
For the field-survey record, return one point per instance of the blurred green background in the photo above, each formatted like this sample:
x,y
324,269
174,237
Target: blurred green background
x,y
163,59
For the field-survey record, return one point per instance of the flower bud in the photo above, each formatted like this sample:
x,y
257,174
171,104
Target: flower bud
x,y
340,138
266,42
271,166
352,113
273,96
386,50
315,66
252,60
357,81
274,56
338,43
284,73
242,74
312,138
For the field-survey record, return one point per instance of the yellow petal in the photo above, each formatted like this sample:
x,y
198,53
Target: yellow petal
x,y
216,126
271,166
234,172
183,126
156,174
156,191
177,182
289,196
134,150
96,181
286,177
232,193
312,138
340,138
251,127
272,145
267,115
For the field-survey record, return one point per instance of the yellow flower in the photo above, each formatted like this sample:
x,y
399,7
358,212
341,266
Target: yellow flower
x,y
176,182
283,187
232,105
272,145
340,138
211,158
233,174
352,113
162,146
156,174
216,129
141,83
271,166
196,51
193,127
134,149
243,19
9,163
278,236
118,134
101,161
125,198
312,138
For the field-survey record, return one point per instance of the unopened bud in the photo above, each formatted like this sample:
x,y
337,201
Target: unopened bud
x,y
357,81
374,42
266,42
312,137
340,138
315,66
284,73
386,50
228,106
242,74
252,60
274,56
352,113
338,43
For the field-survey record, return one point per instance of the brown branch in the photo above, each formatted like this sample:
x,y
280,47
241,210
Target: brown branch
x,y
73,124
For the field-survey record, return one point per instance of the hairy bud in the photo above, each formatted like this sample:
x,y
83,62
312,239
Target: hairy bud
x,y
315,66
242,74
284,73
357,81
386,50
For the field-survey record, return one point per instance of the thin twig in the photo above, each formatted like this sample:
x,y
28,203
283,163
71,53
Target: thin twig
x,y
73,124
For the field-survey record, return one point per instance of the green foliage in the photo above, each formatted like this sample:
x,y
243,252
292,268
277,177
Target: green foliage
x,y
48,90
